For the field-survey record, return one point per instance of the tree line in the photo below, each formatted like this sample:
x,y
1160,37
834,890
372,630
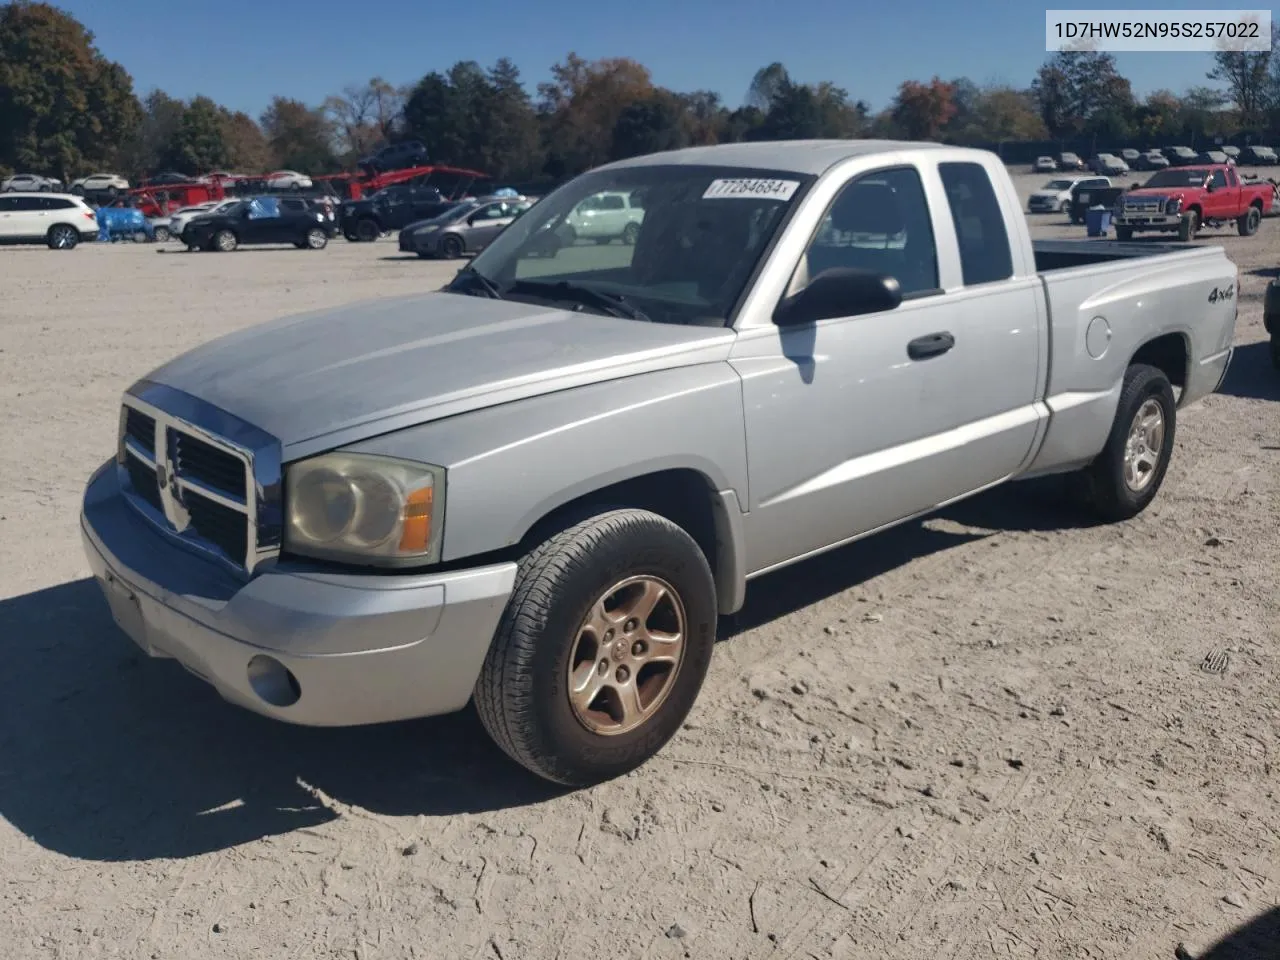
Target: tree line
x,y
66,110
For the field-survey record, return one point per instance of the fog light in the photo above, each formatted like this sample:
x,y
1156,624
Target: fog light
x,y
272,681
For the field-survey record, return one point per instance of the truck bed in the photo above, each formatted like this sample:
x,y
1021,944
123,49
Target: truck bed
x,y
1104,299
1054,255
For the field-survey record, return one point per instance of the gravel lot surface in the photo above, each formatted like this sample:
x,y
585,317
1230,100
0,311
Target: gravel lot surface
x,y
993,733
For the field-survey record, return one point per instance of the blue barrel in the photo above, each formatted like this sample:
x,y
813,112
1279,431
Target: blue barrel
x,y
1097,221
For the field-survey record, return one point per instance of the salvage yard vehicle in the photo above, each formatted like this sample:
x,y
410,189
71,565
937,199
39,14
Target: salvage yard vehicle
x,y
461,229
1183,199
1055,196
260,220
539,486
57,219
391,208
30,183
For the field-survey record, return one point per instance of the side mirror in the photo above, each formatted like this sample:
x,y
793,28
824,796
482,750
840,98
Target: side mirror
x,y
839,292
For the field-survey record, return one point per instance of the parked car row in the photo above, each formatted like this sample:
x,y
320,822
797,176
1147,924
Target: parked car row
x,y
1157,159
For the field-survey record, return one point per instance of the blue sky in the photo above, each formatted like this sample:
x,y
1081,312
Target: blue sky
x,y
241,52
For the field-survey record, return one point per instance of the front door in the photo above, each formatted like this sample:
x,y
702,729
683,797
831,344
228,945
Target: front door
x,y
486,223
1223,202
856,422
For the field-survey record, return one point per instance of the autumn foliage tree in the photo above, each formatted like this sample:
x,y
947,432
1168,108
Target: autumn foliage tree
x,y
923,110
64,107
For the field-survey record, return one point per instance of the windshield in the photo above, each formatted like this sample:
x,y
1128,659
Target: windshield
x,y
1181,177
678,242
1057,185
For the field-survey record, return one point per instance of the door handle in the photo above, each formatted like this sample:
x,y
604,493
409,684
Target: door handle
x,y
933,345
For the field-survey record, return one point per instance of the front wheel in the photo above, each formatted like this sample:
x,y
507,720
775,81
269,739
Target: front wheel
x,y
1247,224
1128,473
630,233
602,649
225,241
1189,226
162,235
451,247
316,239
367,231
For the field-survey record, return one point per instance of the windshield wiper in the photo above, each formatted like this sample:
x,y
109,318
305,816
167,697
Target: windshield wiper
x,y
614,304
470,276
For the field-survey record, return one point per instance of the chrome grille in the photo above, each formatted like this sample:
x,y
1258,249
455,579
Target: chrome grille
x,y
1144,205
216,493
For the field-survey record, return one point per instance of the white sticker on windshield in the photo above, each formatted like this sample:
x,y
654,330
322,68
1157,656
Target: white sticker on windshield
x,y
751,188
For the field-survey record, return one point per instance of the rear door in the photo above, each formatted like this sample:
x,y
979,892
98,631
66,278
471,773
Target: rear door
x,y
856,422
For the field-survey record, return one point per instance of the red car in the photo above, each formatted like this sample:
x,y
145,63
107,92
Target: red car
x,y
1181,200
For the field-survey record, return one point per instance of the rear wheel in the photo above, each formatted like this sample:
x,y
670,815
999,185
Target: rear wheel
x,y
1128,473
225,241
62,237
630,232
367,231
1247,224
602,649
1189,226
162,235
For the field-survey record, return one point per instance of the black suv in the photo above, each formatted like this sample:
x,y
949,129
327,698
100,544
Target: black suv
x,y
259,220
391,208
397,156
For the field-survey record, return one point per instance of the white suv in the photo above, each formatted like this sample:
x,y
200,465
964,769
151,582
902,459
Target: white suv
x,y
606,216
58,219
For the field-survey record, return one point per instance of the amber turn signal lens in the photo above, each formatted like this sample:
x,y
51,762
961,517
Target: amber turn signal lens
x,y
416,533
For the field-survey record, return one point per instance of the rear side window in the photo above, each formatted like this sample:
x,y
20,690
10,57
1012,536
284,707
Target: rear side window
x,y
7,204
57,203
985,256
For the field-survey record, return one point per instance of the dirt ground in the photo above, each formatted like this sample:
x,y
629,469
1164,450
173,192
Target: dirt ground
x,y
993,733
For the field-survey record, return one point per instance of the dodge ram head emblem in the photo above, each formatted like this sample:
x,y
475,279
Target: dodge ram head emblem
x,y
175,511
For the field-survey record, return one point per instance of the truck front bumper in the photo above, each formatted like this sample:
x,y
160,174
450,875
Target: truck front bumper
x,y
1154,221
302,645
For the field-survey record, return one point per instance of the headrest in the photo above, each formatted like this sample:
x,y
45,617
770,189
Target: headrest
x,y
869,208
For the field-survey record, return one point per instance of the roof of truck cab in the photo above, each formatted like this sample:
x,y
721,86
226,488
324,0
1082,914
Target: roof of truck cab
x,y
795,156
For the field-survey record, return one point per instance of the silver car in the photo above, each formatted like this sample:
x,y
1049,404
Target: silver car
x,y
30,183
466,228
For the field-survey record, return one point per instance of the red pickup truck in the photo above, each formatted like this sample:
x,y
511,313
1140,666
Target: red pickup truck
x,y
1183,199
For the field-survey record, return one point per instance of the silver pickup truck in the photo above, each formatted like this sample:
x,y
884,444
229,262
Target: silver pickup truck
x,y
538,487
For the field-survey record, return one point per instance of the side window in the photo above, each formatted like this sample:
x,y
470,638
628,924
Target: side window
x,y
879,222
985,255
7,204
636,200
612,201
1219,178
57,203
24,204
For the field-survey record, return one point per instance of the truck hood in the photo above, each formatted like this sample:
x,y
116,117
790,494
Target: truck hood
x,y
325,379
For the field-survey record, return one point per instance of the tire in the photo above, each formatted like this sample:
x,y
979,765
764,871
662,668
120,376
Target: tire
x,y
1124,234
78,190
1189,226
62,237
451,247
523,693
224,241
367,231
316,239
162,235
1247,224
1105,486
140,236
295,186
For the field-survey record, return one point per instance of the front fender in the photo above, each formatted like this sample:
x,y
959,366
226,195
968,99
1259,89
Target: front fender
x,y
512,464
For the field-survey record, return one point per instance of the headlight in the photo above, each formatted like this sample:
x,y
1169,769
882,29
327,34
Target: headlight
x,y
364,509
1172,206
